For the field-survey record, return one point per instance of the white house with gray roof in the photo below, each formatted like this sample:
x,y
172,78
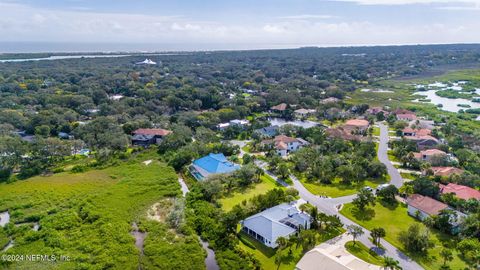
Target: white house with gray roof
x,y
282,220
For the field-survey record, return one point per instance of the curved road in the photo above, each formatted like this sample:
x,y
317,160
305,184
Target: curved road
x,y
330,205
395,177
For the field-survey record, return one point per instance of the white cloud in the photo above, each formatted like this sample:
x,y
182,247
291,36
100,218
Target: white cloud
x,y
308,17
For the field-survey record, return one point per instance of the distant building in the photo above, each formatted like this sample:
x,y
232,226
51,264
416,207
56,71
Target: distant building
x,y
330,100
422,124
146,62
212,164
446,171
429,154
115,97
65,136
279,108
236,122
303,113
408,131
402,111
406,117
343,134
240,123
148,136
282,220
356,125
461,192
377,110
267,132
424,142
285,145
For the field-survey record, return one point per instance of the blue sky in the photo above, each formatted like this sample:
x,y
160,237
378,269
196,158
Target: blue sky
x,y
245,24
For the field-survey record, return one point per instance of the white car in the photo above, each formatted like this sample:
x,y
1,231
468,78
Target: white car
x,y
380,187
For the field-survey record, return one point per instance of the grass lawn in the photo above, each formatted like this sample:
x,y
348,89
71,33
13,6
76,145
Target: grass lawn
x,y
395,219
247,148
266,184
337,189
266,255
392,157
408,176
376,131
363,252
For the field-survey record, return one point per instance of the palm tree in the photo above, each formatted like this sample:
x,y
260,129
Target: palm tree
x,y
292,240
376,234
281,242
446,255
391,264
355,231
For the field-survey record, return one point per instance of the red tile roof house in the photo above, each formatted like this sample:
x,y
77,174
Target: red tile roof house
x,y
462,192
376,110
427,155
330,100
406,116
446,171
340,133
402,111
356,125
280,107
408,131
422,207
285,145
424,142
148,136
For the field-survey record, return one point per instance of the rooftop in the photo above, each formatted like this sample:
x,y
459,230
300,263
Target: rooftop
x,y
426,204
280,107
152,131
357,123
446,171
216,163
279,220
462,192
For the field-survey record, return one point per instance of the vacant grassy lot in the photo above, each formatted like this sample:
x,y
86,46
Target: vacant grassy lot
x,y
266,184
88,216
395,219
337,189
363,252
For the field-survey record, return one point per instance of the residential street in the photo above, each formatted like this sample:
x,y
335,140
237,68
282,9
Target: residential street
x,y
330,205
396,178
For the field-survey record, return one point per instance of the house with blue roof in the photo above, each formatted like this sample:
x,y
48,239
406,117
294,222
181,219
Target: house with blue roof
x,y
282,220
212,164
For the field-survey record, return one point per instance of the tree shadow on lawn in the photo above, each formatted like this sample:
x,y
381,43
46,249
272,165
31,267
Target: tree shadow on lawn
x,y
364,215
389,205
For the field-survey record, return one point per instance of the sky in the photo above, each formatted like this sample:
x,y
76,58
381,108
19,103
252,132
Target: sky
x,y
234,24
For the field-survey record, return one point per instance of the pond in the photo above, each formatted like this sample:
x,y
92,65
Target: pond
x,y
61,57
449,104
4,218
281,122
